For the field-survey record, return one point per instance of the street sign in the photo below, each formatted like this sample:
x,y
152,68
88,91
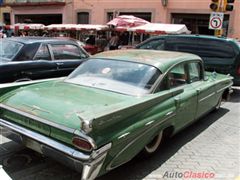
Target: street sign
x,y
216,20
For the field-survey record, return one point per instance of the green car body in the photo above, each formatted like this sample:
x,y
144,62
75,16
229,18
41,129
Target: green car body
x,y
94,130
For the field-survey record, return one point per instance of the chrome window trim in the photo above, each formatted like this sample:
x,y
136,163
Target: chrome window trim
x,y
41,45
162,76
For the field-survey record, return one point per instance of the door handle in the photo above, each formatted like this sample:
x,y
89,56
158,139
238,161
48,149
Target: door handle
x,y
177,101
198,90
59,63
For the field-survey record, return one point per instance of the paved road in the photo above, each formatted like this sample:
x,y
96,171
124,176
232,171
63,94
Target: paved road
x,y
210,147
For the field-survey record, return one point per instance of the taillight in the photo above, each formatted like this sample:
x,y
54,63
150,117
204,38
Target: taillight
x,y
82,144
238,70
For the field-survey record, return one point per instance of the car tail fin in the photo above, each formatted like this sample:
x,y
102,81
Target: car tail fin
x,y
115,114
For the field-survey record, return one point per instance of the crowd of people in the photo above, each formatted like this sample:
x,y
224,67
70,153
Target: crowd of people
x,y
108,43
101,40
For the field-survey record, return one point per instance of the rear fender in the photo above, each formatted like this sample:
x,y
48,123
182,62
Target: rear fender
x,y
116,114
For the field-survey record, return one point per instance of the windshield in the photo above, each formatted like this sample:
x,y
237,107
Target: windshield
x,y
119,76
9,49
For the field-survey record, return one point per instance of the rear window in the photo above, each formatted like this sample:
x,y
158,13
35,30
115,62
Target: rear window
x,y
201,47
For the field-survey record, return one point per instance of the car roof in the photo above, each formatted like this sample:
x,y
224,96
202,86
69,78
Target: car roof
x,y
195,36
31,39
162,60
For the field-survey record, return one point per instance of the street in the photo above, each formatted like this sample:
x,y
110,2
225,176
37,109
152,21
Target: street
x,y
209,148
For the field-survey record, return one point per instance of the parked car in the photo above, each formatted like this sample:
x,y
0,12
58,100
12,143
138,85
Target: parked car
x,y
113,106
28,58
91,49
219,54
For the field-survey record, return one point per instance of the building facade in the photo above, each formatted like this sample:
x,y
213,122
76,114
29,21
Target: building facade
x,y
5,15
195,13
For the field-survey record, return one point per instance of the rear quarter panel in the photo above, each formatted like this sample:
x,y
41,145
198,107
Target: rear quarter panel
x,y
130,130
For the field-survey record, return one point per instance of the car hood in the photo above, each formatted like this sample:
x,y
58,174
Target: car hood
x,y
61,102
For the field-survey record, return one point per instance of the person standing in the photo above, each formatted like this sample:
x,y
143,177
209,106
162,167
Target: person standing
x,y
113,43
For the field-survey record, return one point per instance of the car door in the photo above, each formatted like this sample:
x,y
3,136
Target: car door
x,y
33,63
67,57
207,98
185,102
42,66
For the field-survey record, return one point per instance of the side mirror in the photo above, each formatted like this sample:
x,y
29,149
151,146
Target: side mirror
x,y
214,75
206,78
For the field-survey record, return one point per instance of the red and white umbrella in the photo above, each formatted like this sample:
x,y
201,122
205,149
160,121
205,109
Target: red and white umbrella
x,y
127,21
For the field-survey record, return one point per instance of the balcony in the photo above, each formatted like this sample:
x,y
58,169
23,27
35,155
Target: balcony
x,y
13,3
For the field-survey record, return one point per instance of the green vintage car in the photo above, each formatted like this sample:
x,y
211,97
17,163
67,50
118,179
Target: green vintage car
x,y
113,106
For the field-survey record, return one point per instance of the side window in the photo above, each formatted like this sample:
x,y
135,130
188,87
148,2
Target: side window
x,y
43,53
154,44
177,76
65,51
215,49
182,45
194,72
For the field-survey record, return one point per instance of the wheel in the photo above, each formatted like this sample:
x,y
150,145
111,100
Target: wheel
x,y
153,145
217,107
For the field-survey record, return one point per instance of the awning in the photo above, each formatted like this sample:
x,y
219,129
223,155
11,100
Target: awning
x,y
158,28
23,26
76,27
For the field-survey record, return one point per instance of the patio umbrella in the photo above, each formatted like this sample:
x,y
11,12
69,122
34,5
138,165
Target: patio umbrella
x,y
127,21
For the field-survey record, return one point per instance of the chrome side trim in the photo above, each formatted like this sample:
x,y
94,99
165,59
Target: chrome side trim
x,y
124,135
210,95
149,123
220,90
110,167
169,113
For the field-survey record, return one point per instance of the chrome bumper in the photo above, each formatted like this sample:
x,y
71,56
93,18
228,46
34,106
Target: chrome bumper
x,y
88,164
